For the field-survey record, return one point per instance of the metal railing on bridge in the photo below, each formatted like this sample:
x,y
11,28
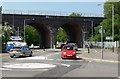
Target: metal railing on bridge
x,y
53,13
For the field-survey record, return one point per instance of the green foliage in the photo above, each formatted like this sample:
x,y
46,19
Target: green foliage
x,y
108,8
31,35
5,34
75,14
61,35
107,23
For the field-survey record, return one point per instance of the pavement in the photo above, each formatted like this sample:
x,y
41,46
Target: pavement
x,y
96,55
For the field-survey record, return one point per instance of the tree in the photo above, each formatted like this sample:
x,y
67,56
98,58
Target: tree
x,y
31,35
5,34
107,22
61,35
108,8
75,14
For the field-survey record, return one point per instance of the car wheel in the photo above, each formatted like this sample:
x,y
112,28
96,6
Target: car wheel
x,y
11,56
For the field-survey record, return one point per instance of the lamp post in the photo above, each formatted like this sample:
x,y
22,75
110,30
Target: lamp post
x,y
25,25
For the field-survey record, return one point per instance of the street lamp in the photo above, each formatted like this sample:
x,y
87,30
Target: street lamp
x,y
24,26
112,6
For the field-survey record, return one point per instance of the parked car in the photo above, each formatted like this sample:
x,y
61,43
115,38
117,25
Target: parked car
x,y
75,45
62,45
68,51
20,51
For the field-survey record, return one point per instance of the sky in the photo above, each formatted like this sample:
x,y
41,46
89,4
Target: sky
x,y
87,8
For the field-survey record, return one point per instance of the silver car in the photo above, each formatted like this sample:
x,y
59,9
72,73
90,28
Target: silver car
x,y
20,51
74,44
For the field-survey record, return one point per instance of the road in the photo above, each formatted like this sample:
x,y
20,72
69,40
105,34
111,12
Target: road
x,y
42,64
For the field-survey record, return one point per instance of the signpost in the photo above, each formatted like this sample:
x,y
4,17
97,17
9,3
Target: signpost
x,y
110,38
101,31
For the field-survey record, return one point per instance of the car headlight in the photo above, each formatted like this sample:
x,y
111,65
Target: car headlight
x,y
74,52
64,53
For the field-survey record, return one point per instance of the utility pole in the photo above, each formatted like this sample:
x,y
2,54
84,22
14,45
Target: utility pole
x,y
113,25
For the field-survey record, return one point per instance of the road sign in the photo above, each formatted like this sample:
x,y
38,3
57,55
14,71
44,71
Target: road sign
x,y
101,30
109,38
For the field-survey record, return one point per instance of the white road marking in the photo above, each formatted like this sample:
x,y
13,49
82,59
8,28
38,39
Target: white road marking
x,y
43,58
66,65
38,57
28,65
5,69
35,57
32,69
52,54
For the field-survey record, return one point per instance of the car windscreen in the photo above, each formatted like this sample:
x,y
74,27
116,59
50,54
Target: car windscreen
x,y
69,48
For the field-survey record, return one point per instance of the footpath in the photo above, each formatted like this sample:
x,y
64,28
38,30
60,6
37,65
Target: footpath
x,y
96,55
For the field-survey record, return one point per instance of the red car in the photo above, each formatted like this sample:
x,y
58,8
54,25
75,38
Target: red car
x,y
68,51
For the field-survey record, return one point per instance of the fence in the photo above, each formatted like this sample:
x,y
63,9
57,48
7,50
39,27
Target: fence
x,y
105,44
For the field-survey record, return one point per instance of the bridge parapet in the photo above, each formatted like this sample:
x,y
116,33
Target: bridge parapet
x,y
52,13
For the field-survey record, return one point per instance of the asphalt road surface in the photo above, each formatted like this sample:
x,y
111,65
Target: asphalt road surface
x,y
42,64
